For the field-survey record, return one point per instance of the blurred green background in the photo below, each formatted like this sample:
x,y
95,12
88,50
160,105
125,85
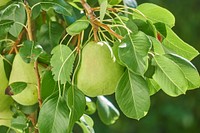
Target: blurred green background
x,y
167,114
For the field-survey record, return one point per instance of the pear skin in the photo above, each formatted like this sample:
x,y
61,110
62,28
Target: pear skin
x,y
24,72
5,100
99,73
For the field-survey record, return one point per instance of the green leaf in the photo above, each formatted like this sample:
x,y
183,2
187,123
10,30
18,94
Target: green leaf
x,y
5,26
169,76
177,46
15,12
156,14
132,95
62,63
107,112
60,6
145,26
78,26
29,52
86,123
8,11
76,102
48,85
133,52
20,122
161,27
28,109
157,46
189,70
5,129
49,35
103,7
132,26
17,87
153,86
54,115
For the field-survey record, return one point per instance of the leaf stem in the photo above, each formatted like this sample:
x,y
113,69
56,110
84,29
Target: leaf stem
x,y
73,94
96,23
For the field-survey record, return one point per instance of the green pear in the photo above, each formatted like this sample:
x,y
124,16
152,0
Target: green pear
x,y
99,73
24,72
4,2
5,100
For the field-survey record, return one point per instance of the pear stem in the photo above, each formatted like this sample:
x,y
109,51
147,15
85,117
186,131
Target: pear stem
x,y
96,23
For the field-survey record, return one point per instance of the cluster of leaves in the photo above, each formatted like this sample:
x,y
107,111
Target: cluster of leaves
x,y
153,55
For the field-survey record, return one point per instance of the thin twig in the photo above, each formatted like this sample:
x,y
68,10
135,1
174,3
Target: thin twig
x,y
79,42
17,42
30,36
96,23
38,82
29,24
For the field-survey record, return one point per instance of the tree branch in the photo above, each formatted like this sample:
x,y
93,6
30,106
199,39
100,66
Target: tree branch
x,y
30,36
29,24
17,42
95,22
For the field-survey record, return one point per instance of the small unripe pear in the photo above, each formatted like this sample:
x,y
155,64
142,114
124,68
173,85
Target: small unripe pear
x,y
24,72
5,100
98,73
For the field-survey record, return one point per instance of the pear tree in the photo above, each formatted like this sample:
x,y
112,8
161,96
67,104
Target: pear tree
x,y
61,59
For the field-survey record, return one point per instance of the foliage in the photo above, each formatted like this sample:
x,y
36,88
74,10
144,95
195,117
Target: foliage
x,y
43,41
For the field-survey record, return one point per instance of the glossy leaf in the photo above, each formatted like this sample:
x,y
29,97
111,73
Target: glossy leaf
x,y
153,86
29,52
60,6
17,87
5,129
49,35
189,70
62,63
54,115
103,7
76,102
169,76
177,46
20,122
48,85
15,12
133,52
132,95
78,26
157,46
5,26
28,109
107,112
145,26
156,14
